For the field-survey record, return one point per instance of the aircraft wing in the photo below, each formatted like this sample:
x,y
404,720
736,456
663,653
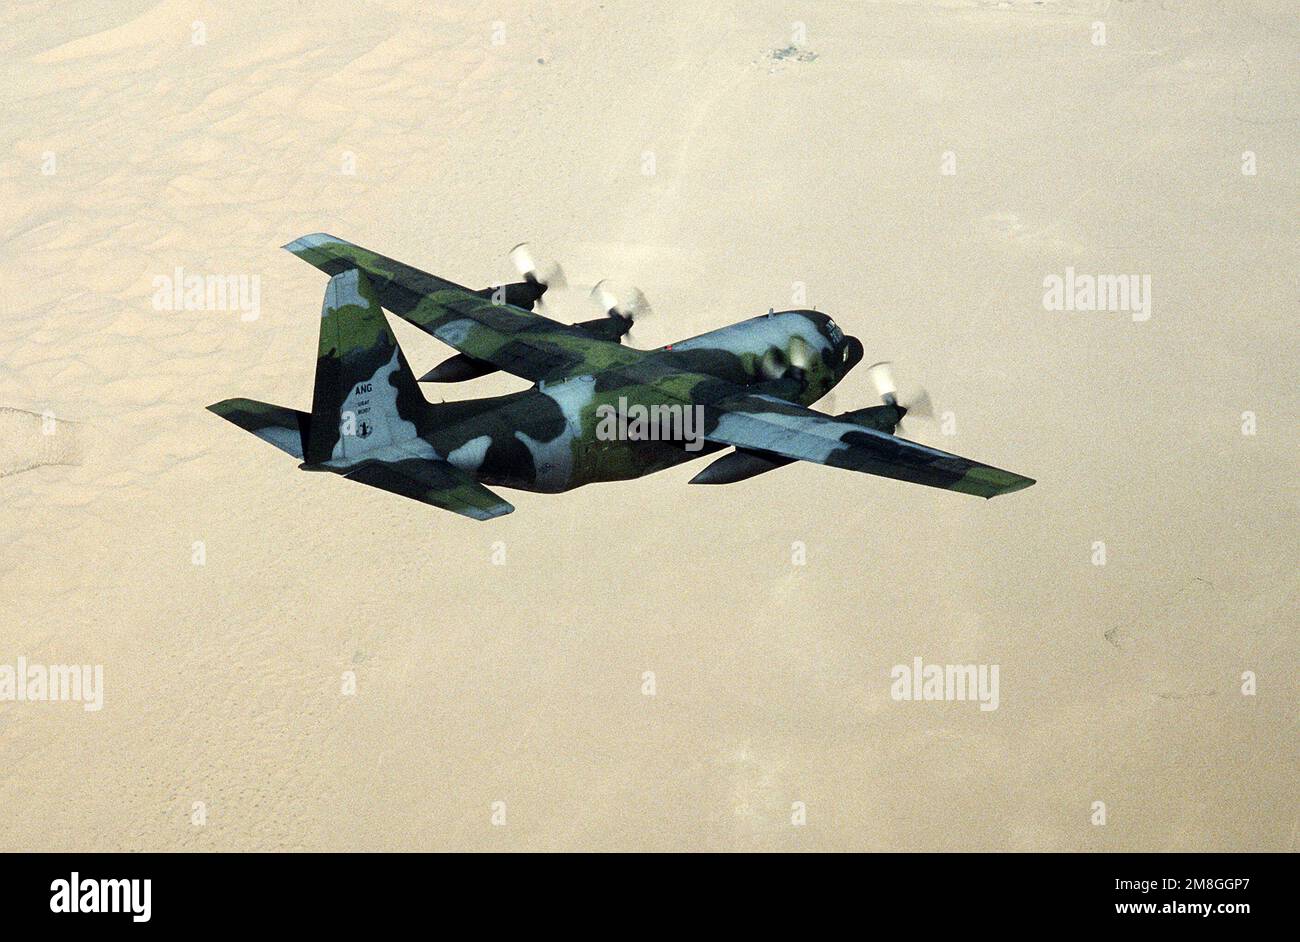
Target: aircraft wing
x,y
432,482
520,342
769,424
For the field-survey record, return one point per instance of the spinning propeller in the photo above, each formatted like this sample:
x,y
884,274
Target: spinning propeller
x,y
541,277
628,306
527,295
549,275
882,377
625,306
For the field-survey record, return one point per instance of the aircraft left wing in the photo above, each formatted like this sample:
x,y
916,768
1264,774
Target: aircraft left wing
x,y
520,342
768,424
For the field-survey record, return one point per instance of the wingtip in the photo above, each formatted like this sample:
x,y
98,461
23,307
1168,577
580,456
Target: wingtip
x,y
223,407
491,513
1014,486
310,241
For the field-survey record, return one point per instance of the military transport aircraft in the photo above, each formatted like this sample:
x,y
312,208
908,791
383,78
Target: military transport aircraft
x,y
750,384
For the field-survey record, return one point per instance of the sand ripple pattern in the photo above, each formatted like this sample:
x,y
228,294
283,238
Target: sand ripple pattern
x,y
29,440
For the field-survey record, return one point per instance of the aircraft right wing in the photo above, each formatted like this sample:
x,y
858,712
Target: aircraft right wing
x,y
768,424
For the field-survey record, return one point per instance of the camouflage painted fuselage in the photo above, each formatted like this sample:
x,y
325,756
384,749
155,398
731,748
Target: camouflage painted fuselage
x,y
547,438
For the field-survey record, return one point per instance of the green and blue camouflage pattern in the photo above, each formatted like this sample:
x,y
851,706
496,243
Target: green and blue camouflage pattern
x,y
751,384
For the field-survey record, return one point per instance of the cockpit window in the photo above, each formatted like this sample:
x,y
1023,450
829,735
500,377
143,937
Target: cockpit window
x,y
836,334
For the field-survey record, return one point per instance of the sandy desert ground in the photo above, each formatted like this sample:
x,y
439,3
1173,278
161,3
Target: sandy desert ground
x,y
920,168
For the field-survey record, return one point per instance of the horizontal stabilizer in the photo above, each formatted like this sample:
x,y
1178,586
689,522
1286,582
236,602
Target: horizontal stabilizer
x,y
433,482
286,429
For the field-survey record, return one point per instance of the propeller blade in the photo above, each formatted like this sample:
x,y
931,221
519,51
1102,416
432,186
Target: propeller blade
x,y
636,304
605,299
629,305
917,404
920,405
549,274
882,377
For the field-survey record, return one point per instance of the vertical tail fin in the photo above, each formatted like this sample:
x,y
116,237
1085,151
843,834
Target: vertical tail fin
x,y
365,397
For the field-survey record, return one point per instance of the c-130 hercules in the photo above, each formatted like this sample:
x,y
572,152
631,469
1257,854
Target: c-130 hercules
x,y
750,384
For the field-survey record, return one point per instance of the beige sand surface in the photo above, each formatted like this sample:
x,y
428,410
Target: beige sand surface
x,y
128,149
